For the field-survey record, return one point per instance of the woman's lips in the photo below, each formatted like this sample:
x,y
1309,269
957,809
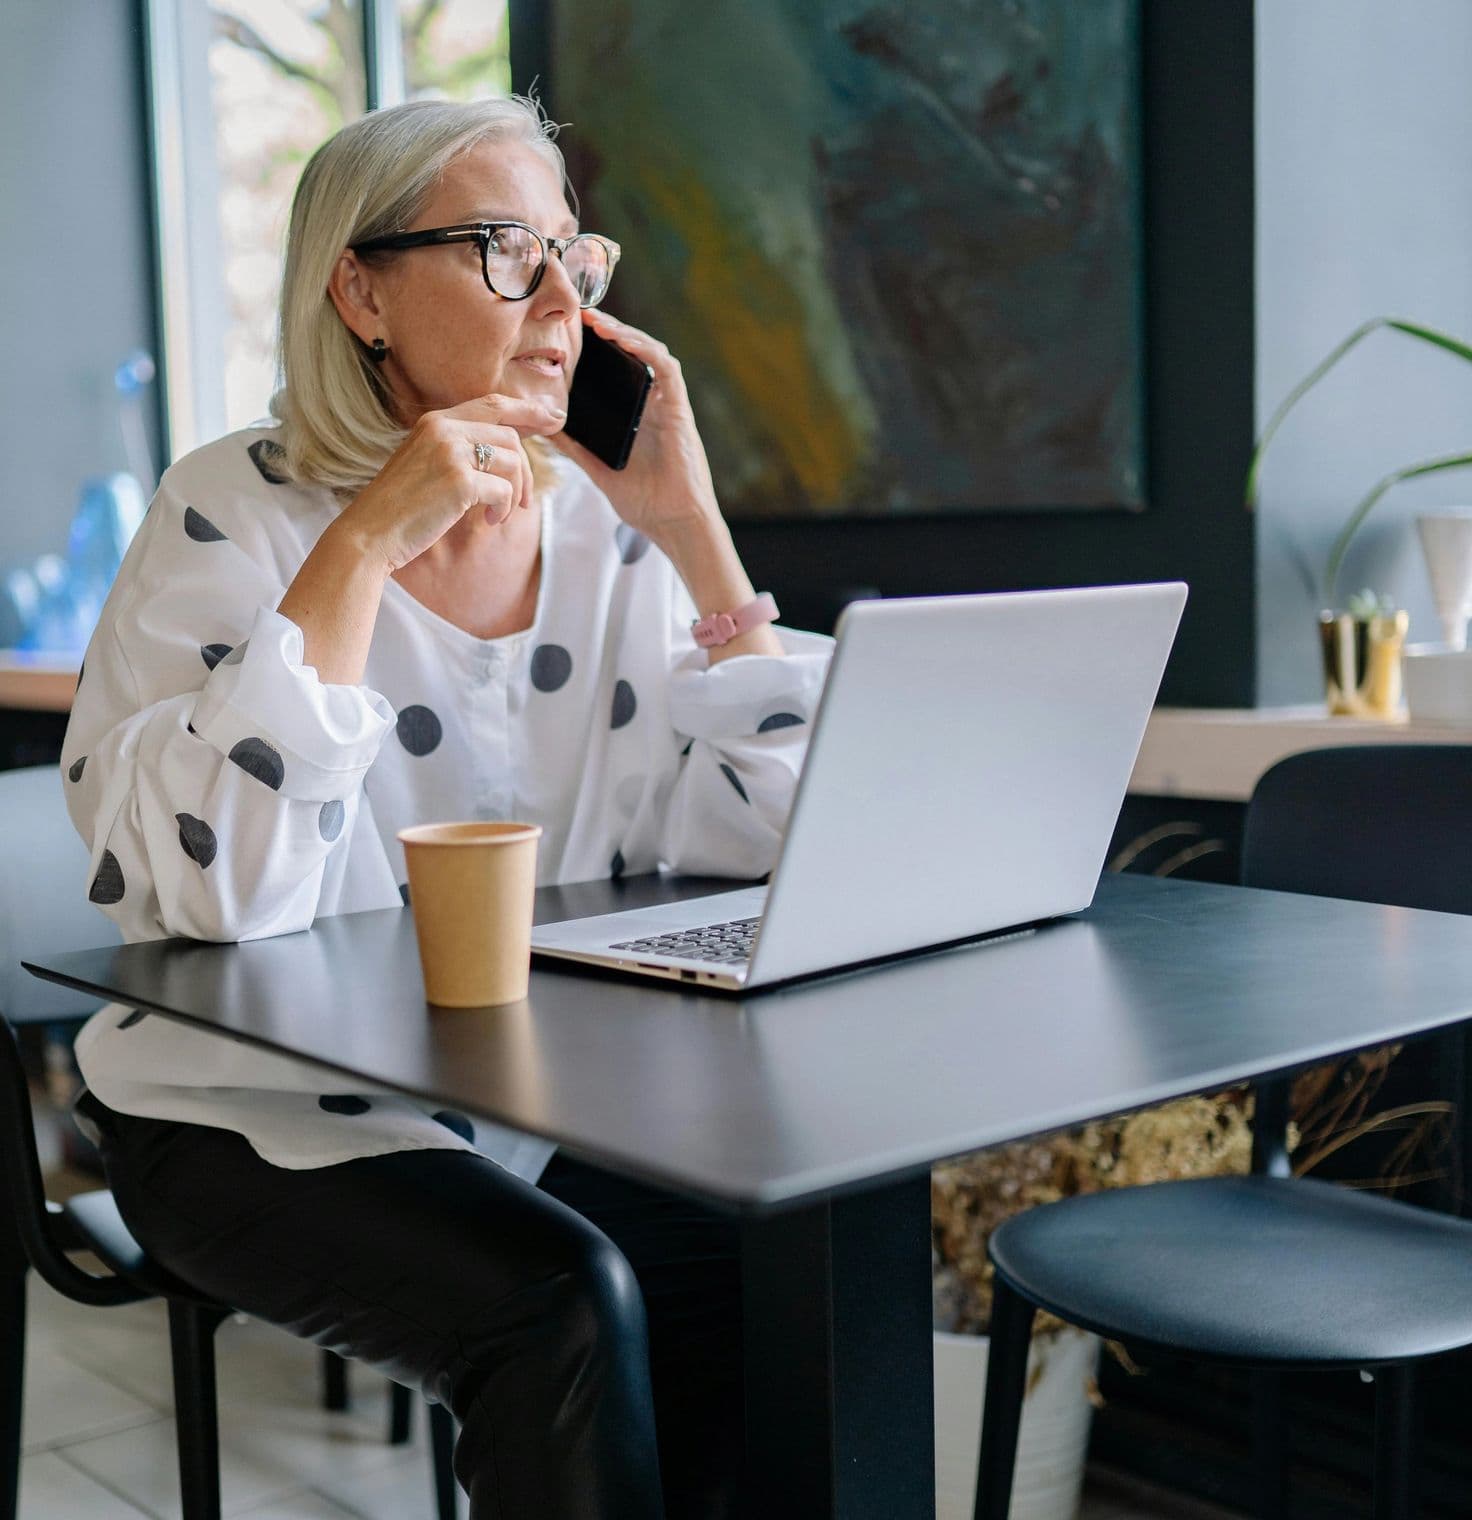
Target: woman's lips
x,y
542,361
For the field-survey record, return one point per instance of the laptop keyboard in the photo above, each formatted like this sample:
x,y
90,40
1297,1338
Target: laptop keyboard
x,y
729,944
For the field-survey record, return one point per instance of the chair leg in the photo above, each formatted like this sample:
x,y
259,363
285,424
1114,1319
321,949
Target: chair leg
x,y
192,1340
442,1450
334,1382
12,1384
1006,1383
1396,1439
1270,1444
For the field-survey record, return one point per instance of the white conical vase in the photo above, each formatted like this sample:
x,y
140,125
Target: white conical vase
x,y
1446,541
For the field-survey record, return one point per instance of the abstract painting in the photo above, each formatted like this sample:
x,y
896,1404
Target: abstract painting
x,y
895,243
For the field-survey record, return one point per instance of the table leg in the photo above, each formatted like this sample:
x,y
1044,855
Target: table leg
x,y
839,1370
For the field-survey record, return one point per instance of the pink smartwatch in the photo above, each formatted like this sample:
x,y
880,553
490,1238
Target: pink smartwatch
x,y
721,627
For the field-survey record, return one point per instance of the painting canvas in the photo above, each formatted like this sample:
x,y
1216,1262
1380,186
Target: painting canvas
x,y
895,243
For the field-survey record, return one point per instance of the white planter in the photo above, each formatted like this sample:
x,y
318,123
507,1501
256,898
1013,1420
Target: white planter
x,y
1438,684
1055,1424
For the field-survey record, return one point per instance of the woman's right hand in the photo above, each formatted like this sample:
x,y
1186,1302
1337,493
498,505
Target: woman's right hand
x,y
431,480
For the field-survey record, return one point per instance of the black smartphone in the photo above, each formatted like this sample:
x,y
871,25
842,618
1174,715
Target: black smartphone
x,y
606,401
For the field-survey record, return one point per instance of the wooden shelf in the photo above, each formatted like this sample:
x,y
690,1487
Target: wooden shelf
x,y
34,682
1218,754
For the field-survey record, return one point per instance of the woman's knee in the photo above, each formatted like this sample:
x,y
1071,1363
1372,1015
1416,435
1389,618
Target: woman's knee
x,y
599,1304
568,1343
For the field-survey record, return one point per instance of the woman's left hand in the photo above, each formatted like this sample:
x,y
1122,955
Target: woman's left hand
x,y
665,488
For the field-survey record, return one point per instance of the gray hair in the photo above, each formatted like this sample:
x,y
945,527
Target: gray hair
x,y
367,180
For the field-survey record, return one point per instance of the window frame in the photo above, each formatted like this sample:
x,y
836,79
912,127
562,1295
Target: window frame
x,y
188,287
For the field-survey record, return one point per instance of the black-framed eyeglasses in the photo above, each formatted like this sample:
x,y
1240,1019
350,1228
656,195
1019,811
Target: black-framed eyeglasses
x,y
513,256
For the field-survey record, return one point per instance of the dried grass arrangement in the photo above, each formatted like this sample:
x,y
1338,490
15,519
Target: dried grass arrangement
x,y
970,1197
1208,1136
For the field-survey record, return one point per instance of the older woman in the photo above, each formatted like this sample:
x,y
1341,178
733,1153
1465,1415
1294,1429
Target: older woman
x,y
408,598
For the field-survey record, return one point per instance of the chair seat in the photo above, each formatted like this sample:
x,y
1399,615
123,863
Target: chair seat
x,y
1250,1269
99,1226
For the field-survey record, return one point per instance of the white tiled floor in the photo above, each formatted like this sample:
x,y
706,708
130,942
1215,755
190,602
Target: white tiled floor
x,y
99,1433
98,1436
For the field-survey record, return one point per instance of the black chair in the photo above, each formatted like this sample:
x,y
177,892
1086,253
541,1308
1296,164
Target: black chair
x,y
1270,1271
42,909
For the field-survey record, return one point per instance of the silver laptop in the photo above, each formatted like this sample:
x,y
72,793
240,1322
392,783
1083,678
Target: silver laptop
x,y
965,770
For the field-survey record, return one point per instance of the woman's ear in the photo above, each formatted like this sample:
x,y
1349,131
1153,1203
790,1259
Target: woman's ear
x,y
357,295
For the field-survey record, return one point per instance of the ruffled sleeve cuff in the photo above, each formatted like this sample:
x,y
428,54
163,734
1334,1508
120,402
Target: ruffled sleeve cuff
x,y
267,710
750,694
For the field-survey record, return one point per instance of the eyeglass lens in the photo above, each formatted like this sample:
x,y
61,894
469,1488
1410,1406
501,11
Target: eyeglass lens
x,y
515,254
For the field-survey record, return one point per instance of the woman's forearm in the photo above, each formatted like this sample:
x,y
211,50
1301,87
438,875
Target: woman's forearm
x,y
706,560
334,600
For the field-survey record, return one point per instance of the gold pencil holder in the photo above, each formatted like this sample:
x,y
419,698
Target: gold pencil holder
x,y
1362,664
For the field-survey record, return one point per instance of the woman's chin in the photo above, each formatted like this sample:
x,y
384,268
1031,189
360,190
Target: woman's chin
x,y
533,384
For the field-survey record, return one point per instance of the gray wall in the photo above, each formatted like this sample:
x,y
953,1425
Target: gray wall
x,y
75,288
1364,208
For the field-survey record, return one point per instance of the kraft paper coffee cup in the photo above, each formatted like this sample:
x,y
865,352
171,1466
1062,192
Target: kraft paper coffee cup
x,y
471,887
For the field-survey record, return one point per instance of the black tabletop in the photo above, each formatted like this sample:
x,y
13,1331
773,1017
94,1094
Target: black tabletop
x,y
1161,989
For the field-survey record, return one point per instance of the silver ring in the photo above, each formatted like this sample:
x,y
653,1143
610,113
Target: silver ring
x,y
484,454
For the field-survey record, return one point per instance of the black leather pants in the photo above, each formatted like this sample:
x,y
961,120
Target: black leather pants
x,y
524,1314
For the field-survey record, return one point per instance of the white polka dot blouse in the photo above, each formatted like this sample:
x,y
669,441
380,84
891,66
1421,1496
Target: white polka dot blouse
x,y
227,794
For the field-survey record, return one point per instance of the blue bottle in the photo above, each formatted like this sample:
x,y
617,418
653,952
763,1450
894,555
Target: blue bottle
x,y
54,603
73,590
53,625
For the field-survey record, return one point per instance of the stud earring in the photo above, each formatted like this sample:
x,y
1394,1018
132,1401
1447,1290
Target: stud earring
x,y
379,352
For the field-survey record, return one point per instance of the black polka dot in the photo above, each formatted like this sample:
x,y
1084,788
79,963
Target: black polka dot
x,y
735,781
779,720
456,1123
343,1103
212,654
551,666
329,820
270,459
632,545
419,730
197,839
237,654
261,760
136,1017
404,892
107,885
616,865
75,769
192,729
624,705
200,528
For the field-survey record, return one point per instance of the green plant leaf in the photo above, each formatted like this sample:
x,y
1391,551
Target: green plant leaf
x,y
1397,324
1362,510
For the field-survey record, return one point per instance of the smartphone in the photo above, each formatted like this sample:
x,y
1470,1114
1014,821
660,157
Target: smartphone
x,y
606,401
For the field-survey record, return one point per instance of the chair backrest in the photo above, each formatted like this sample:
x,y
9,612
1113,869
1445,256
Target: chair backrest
x,y
1387,823
43,896
43,908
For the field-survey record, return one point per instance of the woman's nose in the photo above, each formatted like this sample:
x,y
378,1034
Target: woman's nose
x,y
555,279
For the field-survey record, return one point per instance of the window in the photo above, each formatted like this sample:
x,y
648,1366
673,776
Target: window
x,y
242,92
455,49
